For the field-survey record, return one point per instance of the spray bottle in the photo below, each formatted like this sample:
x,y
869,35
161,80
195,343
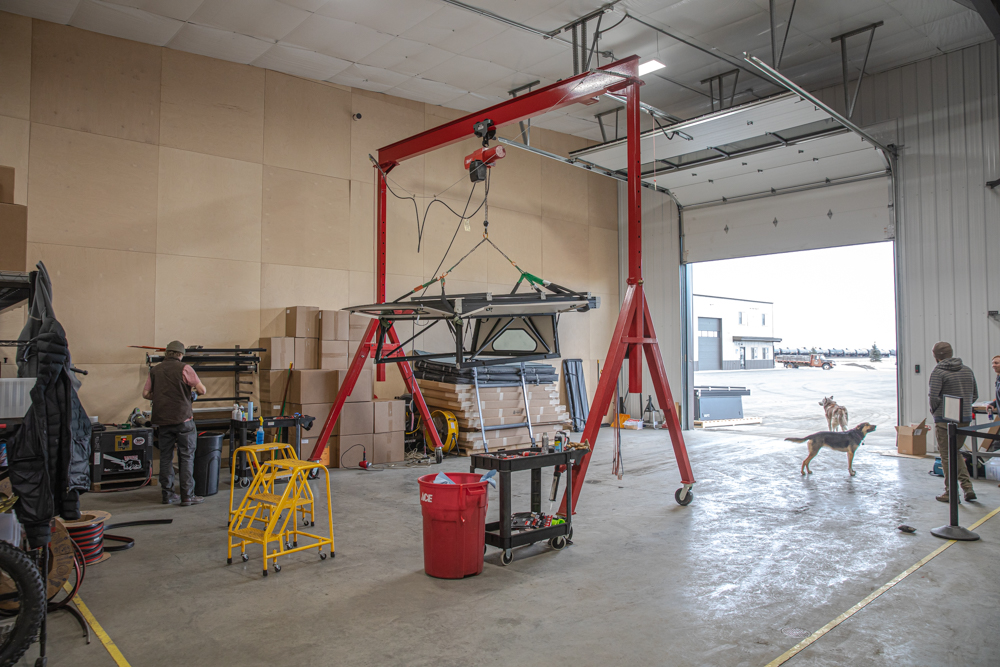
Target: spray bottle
x,y
260,432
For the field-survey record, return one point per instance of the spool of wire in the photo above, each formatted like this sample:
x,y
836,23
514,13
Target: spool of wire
x,y
88,534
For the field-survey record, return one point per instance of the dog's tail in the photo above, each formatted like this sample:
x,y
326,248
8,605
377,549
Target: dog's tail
x,y
796,439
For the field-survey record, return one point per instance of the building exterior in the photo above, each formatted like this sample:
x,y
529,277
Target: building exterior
x,y
733,334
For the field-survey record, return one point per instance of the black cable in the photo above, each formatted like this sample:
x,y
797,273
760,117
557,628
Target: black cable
x,y
460,222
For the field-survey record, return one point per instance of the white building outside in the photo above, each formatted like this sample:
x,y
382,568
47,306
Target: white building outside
x,y
733,334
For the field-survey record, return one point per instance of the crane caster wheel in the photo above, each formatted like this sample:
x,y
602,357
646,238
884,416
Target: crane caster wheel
x,y
507,557
277,568
687,499
558,543
438,455
322,556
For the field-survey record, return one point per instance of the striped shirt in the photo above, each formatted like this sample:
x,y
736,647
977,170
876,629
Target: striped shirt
x,y
952,378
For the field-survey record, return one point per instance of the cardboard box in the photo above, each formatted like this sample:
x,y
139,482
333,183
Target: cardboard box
x,y
346,450
6,185
355,419
272,386
301,321
306,353
8,370
317,410
389,447
334,325
13,237
333,355
390,415
912,440
358,326
307,447
363,388
313,386
352,349
278,353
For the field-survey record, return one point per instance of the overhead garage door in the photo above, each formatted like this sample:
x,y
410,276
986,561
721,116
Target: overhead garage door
x,y
709,344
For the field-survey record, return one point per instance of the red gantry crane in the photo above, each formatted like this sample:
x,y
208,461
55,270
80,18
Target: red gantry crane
x,y
633,335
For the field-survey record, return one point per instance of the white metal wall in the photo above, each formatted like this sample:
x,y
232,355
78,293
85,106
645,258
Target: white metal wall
x,y
948,240
945,113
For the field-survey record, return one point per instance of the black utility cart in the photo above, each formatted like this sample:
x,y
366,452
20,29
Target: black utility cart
x,y
239,428
502,534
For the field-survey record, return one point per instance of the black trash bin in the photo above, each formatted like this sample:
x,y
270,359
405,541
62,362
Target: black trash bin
x,y
207,460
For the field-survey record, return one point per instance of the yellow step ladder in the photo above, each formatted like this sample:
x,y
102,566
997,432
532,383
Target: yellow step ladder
x,y
255,454
265,516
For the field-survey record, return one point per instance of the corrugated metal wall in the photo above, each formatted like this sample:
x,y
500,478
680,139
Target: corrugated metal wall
x,y
948,240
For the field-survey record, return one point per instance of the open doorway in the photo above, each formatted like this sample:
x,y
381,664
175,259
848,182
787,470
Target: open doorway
x,y
792,328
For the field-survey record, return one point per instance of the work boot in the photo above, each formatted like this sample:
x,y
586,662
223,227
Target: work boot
x,y
944,498
970,495
193,500
171,498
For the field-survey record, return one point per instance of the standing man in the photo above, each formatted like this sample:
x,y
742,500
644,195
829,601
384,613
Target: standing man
x,y
953,378
169,386
994,406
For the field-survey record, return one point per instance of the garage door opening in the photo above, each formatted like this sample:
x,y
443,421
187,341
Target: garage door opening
x,y
793,328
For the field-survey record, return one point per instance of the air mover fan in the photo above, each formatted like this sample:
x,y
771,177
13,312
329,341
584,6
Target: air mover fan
x,y
447,428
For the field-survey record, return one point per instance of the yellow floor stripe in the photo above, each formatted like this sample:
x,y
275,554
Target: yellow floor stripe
x,y
792,652
111,647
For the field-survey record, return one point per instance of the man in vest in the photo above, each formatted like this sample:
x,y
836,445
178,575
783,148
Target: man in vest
x,y
170,386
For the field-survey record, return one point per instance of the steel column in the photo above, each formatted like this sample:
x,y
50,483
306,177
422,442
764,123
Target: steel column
x,y
380,241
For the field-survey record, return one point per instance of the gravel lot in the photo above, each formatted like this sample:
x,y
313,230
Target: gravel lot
x,y
788,399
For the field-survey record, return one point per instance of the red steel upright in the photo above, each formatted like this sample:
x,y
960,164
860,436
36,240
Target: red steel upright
x,y
633,333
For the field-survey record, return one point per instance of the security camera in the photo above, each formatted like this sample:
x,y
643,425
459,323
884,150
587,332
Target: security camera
x,y
356,116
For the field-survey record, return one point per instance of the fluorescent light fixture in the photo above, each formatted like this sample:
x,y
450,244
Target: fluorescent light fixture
x,y
650,66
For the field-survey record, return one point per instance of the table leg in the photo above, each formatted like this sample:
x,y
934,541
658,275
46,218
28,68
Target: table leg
x,y
505,509
536,490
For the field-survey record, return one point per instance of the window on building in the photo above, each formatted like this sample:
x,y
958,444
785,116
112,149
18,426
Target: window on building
x,y
763,319
763,353
753,353
740,315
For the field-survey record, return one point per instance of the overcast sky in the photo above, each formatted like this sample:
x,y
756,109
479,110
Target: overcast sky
x,y
832,298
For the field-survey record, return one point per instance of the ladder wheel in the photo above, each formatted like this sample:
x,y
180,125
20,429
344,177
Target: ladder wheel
x,y
322,556
245,557
277,568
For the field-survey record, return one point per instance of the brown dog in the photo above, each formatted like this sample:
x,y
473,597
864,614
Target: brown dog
x,y
841,442
836,415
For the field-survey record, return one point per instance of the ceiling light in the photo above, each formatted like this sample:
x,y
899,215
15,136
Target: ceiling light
x,y
650,66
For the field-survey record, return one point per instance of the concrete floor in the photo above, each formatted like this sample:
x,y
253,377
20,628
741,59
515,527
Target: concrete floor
x,y
761,558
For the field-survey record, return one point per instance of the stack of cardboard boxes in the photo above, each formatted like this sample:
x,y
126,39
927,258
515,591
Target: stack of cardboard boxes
x,y
13,226
303,372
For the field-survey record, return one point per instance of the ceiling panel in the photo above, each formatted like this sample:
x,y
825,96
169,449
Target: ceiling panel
x,y
300,62
369,78
220,44
425,90
467,73
517,49
57,11
125,22
406,56
696,18
174,9
267,19
454,30
386,16
340,39
525,10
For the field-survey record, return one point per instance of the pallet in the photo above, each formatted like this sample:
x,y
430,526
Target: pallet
x,y
716,423
122,483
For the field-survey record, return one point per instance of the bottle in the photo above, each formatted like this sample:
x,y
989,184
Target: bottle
x,y
260,433
236,411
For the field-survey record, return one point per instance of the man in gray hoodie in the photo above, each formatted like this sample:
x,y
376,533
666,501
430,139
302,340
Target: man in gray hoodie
x,y
953,378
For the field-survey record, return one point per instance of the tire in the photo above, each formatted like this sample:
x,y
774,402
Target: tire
x,y
17,566
827,367
558,543
687,499
507,557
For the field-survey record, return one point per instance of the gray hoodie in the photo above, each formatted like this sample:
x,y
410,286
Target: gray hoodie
x,y
953,378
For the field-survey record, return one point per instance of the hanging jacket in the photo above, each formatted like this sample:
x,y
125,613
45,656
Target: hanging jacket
x,y
49,458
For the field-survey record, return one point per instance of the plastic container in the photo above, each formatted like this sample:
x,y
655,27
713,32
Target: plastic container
x,y
207,460
454,525
993,469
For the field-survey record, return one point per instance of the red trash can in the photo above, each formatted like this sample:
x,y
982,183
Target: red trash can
x,y
454,525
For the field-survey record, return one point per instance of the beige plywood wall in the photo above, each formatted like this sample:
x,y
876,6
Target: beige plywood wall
x,y
174,196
